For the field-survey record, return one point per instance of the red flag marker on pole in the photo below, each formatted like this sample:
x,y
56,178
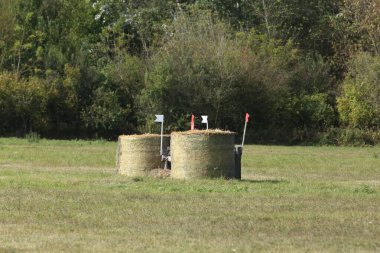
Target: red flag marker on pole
x,y
192,122
245,128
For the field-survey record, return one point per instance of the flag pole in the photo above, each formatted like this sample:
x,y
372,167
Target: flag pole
x,y
245,128
160,119
162,135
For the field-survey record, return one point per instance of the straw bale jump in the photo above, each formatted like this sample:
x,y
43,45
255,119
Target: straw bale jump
x,y
137,155
202,154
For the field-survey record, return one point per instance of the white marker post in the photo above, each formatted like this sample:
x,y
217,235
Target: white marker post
x,y
205,121
160,119
245,128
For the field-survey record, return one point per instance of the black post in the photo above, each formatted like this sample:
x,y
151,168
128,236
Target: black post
x,y
238,154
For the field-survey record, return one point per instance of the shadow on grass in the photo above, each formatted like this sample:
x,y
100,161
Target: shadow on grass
x,y
265,181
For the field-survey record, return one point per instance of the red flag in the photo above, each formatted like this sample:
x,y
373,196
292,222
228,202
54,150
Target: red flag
x,y
192,122
246,117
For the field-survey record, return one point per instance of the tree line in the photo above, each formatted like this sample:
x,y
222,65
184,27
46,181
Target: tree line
x,y
307,71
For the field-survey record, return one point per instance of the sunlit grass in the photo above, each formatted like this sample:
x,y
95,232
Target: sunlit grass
x,y
66,196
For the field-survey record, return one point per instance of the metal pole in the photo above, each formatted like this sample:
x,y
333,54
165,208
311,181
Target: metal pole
x,y
245,129
162,133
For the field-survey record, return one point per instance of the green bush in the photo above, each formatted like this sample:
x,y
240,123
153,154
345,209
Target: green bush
x,y
105,112
359,103
313,111
348,137
22,103
198,70
204,68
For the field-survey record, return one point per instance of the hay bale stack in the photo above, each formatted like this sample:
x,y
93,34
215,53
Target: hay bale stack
x,y
202,154
137,155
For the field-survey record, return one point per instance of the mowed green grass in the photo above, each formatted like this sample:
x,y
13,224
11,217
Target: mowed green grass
x,y
65,196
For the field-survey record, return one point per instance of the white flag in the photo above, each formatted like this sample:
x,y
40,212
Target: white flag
x,y
204,119
159,118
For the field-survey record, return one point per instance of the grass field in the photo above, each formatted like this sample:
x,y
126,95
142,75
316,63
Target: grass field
x,y
65,196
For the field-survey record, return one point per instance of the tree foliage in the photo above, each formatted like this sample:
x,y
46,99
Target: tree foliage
x,y
359,104
83,68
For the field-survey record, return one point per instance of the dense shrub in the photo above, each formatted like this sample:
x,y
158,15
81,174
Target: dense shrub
x,y
359,103
348,136
22,104
198,70
203,69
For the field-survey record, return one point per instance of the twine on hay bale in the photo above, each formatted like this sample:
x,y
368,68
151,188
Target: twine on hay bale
x,y
202,154
137,155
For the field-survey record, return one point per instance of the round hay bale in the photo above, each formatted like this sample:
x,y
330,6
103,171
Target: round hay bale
x,y
137,155
202,154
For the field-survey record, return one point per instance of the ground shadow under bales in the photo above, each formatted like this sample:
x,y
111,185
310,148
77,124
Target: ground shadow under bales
x,y
265,181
